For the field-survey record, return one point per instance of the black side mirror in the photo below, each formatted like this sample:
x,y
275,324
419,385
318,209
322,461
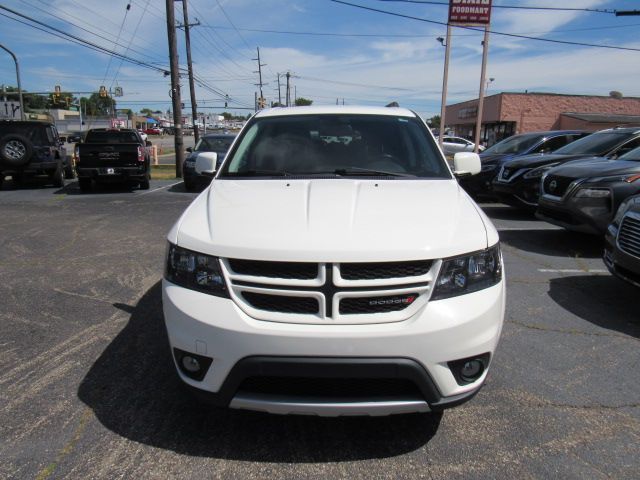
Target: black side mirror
x,y
63,139
148,143
189,149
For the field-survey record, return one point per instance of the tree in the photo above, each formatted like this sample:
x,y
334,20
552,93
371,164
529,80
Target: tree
x,y
434,122
31,101
146,111
303,102
96,105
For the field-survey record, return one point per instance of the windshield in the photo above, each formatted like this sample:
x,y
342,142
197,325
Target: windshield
x,y
632,156
337,145
594,144
515,145
214,144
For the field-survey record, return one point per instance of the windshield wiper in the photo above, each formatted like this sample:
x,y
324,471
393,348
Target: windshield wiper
x,y
369,172
260,173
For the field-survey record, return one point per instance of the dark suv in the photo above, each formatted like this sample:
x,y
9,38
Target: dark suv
x,y
29,149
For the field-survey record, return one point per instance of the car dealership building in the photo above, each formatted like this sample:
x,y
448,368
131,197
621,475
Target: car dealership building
x,y
505,114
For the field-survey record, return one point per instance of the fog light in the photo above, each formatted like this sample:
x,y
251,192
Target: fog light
x,y
468,370
471,370
190,364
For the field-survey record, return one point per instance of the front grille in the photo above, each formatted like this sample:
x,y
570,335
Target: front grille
x,y
556,185
368,305
287,270
352,388
281,303
629,236
385,270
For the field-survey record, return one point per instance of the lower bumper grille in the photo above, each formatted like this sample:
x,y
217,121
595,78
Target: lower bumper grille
x,y
352,388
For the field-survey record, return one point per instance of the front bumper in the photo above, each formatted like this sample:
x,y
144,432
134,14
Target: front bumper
x,y
521,192
585,215
441,332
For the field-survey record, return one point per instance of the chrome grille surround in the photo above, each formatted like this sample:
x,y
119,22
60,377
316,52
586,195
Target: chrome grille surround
x,y
329,288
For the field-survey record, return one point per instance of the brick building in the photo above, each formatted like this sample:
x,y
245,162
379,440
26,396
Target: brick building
x,y
505,114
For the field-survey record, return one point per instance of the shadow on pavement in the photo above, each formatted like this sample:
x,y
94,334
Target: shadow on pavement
x,y
556,243
72,188
135,392
600,299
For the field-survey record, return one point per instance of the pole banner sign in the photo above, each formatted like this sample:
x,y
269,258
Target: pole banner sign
x,y
470,12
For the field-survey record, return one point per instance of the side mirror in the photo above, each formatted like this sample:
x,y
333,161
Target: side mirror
x,y
148,143
466,163
63,139
206,163
189,149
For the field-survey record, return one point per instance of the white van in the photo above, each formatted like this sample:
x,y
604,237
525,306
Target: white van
x,y
334,267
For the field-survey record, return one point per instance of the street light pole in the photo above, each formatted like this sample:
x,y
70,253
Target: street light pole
x,y
15,59
485,49
445,79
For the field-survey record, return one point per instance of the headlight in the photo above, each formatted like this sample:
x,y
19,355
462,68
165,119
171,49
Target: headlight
x,y
470,273
593,193
538,172
195,271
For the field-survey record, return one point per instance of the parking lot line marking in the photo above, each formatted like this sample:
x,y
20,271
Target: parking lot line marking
x,y
160,188
571,270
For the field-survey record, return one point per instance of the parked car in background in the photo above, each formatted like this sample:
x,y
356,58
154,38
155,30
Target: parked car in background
x,y
33,149
453,145
110,155
154,131
622,242
517,145
75,136
219,144
518,181
584,195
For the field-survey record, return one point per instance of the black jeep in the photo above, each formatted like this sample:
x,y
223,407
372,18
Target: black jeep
x,y
29,149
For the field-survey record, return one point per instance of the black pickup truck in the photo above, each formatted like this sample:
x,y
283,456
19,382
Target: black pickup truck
x,y
113,155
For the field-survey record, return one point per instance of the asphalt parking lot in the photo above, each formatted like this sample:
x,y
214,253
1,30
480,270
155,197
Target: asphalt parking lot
x,y
87,387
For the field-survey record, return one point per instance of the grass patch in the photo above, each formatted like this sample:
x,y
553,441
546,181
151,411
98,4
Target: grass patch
x,y
163,172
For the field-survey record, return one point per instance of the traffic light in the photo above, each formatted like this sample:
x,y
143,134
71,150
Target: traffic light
x,y
262,102
103,91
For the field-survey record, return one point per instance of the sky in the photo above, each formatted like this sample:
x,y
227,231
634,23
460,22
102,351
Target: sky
x,y
333,51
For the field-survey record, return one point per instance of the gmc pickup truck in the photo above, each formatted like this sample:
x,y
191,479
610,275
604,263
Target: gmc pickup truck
x,y
112,155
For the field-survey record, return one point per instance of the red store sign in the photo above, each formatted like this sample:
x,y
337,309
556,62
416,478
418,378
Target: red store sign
x,y
469,12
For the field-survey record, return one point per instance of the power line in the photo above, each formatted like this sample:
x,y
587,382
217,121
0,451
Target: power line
x,y
407,35
75,39
520,7
514,35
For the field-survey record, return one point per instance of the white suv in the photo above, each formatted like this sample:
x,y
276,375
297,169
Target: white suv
x,y
334,267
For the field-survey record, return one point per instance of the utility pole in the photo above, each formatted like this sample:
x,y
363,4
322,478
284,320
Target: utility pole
x,y
483,73
259,72
445,80
288,95
192,88
175,87
279,93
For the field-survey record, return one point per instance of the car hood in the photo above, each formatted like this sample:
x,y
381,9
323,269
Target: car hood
x,y
534,161
495,159
596,167
334,220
